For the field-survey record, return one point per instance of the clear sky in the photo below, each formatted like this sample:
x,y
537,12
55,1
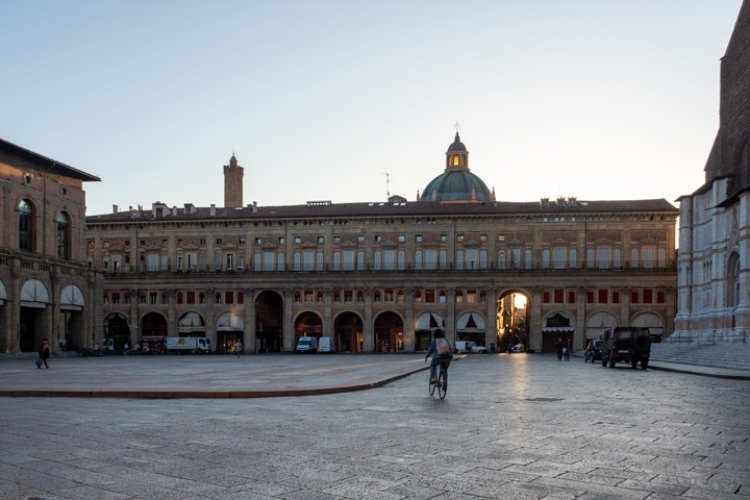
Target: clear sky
x,y
318,99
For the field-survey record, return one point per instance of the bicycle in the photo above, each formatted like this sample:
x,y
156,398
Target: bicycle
x,y
442,382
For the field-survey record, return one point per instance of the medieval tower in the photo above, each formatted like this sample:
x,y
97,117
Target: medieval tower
x,y
233,175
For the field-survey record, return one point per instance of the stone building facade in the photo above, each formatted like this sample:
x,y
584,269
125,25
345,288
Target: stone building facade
x,y
46,287
714,254
382,276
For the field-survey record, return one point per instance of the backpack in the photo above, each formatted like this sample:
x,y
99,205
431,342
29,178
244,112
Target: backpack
x,y
442,347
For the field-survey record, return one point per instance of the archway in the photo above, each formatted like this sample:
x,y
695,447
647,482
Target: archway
x,y
347,332
513,318
34,323
154,333
269,322
424,328
5,336
471,326
651,321
117,328
71,306
389,327
308,324
558,325
230,329
191,324
597,323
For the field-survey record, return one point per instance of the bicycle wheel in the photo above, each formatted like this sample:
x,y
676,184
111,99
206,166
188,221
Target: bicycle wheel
x,y
431,387
442,384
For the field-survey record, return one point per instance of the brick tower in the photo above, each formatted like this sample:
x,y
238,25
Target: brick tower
x,y
233,175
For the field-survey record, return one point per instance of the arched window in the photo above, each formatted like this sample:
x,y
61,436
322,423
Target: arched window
x,y
63,236
25,226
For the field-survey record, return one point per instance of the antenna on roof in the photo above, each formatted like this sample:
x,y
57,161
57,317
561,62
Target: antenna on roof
x,y
387,184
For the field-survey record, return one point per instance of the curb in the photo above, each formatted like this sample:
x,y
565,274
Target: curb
x,y
279,393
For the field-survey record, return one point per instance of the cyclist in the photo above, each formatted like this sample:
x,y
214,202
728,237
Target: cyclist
x,y
439,355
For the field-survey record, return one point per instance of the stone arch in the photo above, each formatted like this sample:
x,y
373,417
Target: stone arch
x,y
513,317
154,332
347,331
597,323
269,321
34,294
71,298
471,326
307,324
230,329
557,325
117,327
389,327
191,324
650,320
424,326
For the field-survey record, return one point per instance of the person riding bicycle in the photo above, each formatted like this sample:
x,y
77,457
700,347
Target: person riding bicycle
x,y
440,356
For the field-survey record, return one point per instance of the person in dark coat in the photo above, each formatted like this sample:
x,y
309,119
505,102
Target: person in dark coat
x,y
437,359
43,354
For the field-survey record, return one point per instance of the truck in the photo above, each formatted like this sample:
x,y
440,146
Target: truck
x,y
464,346
325,344
197,345
626,345
306,344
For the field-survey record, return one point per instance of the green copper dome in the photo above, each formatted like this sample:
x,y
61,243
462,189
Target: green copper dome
x,y
457,183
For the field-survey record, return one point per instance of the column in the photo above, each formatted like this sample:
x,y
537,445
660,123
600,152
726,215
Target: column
x,y
535,326
250,333
450,320
368,328
288,327
410,339
579,335
490,326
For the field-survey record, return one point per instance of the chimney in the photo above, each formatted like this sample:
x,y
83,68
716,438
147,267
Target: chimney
x,y
212,210
115,209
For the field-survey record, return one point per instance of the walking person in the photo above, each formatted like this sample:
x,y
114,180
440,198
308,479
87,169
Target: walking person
x,y
43,354
238,348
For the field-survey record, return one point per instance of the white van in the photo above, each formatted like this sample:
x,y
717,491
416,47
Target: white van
x,y
464,346
325,344
307,344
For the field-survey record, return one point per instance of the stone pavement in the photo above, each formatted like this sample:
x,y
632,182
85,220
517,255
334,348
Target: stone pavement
x,y
522,427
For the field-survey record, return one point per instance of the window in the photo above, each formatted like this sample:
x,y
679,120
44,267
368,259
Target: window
x,y
545,258
648,258
430,259
152,298
559,294
361,238
571,297
634,257
648,296
604,258
401,260
280,261
460,259
308,260
63,236
573,258
401,238
429,296
603,296
418,238
241,262
390,260
526,259
321,239
617,258
217,262
202,262
319,261
179,262
483,259
418,260
190,296
25,226
360,261
280,240
153,262
230,261
297,239
662,257
348,260
471,296
337,261
376,261
268,261
590,258
559,258
501,259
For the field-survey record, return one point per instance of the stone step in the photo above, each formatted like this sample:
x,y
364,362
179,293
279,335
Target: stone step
x,y
732,355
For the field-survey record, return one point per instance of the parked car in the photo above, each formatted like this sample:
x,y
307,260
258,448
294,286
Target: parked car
x,y
518,348
626,345
464,346
593,351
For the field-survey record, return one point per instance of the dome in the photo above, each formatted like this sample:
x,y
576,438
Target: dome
x,y
456,185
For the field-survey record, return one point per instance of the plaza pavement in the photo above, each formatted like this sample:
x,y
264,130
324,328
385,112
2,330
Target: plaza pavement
x,y
521,427
228,376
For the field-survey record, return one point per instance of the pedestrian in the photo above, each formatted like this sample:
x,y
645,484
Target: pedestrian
x,y
43,354
238,348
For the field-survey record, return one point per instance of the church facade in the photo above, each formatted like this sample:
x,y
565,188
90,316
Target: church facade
x,y
714,254
383,276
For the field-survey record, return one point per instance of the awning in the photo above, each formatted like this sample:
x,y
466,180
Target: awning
x,y
71,299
